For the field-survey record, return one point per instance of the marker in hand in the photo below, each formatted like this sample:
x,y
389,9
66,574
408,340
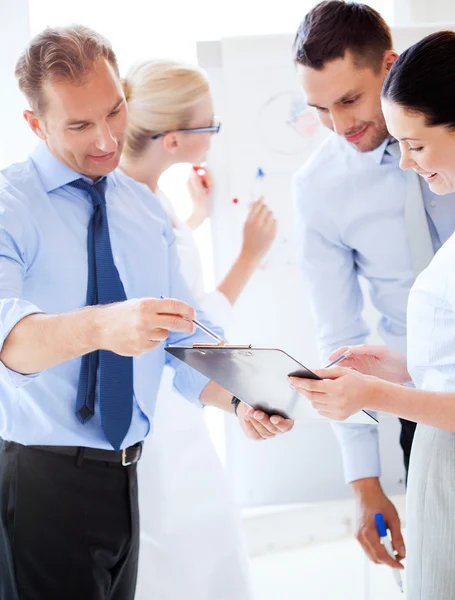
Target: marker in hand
x,y
382,530
201,172
202,327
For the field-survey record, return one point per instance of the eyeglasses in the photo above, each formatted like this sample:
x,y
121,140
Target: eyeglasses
x,y
215,128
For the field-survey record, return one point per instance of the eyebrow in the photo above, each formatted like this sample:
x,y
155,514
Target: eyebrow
x,y
84,121
408,139
343,98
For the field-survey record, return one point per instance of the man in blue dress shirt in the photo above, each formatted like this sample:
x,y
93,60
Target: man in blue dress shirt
x,y
350,202
85,252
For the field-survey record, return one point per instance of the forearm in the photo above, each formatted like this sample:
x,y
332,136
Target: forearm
x,y
436,409
237,278
214,395
40,341
195,220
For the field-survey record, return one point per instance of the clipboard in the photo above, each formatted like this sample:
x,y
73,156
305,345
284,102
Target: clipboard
x,y
258,376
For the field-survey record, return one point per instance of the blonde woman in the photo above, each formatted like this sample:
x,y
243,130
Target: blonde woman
x,y
191,543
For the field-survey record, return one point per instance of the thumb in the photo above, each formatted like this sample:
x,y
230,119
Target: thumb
x,y
332,373
397,539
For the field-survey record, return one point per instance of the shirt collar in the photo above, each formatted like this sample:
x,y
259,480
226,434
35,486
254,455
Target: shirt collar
x,y
52,172
378,153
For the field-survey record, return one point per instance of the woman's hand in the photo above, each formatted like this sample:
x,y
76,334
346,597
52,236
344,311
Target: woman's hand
x,y
340,394
379,361
259,232
200,187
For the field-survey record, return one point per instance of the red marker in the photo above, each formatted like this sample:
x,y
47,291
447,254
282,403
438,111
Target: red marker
x,y
235,200
200,172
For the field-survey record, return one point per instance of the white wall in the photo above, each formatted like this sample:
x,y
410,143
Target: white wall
x,y
423,11
15,138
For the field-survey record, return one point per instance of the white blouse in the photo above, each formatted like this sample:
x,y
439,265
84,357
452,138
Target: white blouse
x,y
431,324
216,306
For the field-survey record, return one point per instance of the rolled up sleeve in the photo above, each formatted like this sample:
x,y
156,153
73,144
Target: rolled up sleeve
x,y
13,270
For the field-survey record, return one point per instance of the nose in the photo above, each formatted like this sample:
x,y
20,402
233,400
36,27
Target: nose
x,y
106,140
406,160
341,122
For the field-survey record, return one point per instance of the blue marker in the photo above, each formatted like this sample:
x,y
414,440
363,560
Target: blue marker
x,y
382,530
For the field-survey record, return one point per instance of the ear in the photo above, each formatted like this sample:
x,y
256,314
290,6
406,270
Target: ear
x,y
389,58
171,143
35,124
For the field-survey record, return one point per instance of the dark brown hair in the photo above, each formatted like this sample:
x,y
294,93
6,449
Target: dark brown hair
x,y
422,79
63,53
334,27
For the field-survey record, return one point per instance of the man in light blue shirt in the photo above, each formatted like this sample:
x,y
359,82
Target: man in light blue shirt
x,y
85,252
350,204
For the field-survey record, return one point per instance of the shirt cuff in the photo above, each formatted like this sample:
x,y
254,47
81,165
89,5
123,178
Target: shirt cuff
x,y
13,310
359,450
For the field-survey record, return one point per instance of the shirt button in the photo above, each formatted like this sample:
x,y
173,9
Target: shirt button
x,y
433,203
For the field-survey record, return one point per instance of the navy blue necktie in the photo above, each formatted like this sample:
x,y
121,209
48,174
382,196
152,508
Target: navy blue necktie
x,y
104,286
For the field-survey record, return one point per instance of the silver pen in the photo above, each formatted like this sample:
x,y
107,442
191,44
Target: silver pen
x,y
339,359
207,330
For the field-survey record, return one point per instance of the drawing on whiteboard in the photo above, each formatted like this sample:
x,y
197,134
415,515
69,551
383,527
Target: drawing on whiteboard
x,y
287,125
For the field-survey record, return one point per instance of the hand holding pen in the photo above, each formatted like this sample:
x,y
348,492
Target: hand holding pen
x,y
385,540
204,328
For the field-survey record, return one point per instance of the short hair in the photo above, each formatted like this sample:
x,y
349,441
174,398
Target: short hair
x,y
422,80
161,96
60,54
334,27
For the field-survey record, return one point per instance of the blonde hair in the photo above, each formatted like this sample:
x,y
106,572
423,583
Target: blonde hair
x,y
56,54
161,97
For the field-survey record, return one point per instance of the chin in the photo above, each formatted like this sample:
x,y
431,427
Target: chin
x,y
442,188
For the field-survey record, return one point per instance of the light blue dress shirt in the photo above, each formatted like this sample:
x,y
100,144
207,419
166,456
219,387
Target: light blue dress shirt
x,y
43,267
350,218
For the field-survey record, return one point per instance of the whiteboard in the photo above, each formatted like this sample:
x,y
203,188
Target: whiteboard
x,y
267,125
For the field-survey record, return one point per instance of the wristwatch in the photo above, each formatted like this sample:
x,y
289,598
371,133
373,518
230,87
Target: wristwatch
x,y
235,402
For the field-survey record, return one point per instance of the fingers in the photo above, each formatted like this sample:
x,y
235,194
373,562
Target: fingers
x,y
370,541
331,373
254,428
376,550
170,306
258,425
283,425
171,323
360,350
316,386
339,352
274,424
397,538
159,335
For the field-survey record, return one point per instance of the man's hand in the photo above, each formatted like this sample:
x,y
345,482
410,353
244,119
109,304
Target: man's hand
x,y
371,500
134,327
259,426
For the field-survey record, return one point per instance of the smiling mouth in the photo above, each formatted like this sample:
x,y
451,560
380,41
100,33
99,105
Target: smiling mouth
x,y
427,176
103,157
355,137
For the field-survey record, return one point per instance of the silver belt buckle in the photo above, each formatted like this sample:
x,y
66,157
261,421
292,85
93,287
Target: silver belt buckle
x,y
125,462
136,455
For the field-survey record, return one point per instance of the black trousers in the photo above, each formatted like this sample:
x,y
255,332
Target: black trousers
x,y
406,437
69,528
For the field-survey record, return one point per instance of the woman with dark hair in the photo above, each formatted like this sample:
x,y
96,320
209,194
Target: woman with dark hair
x,y
418,100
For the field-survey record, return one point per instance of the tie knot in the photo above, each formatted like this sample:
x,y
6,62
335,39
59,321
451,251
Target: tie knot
x,y
96,190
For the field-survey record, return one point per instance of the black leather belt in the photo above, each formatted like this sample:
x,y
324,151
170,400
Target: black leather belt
x,y
125,457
